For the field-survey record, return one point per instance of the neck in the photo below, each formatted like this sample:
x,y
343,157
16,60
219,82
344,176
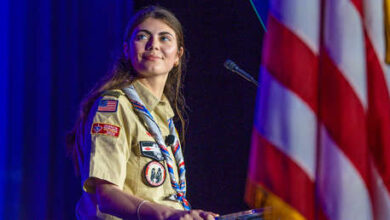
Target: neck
x,y
155,84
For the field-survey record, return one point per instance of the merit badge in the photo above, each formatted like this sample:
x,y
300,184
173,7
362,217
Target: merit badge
x,y
107,105
105,129
154,173
150,149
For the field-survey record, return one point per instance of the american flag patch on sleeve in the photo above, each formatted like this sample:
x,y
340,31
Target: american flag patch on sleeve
x,y
107,105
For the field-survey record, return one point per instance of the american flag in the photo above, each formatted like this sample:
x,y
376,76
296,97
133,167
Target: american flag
x,y
321,137
107,105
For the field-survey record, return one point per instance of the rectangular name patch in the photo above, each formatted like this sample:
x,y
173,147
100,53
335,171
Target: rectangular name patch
x,y
108,105
105,129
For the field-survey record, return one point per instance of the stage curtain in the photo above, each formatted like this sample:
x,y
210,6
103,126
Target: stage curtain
x,y
51,55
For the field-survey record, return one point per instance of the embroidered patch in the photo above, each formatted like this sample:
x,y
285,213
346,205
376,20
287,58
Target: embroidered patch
x,y
150,149
106,105
105,129
154,173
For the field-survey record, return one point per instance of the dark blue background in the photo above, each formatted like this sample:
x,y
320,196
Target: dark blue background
x,y
53,52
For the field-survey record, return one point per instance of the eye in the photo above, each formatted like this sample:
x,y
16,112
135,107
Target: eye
x,y
165,38
141,36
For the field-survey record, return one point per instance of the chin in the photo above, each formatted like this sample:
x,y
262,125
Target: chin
x,y
150,73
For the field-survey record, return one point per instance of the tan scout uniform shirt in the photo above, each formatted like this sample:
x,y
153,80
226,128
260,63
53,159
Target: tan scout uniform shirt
x,y
118,159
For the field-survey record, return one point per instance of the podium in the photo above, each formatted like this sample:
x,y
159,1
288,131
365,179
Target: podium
x,y
253,214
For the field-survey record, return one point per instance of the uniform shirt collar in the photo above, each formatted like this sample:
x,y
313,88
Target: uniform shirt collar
x,y
151,102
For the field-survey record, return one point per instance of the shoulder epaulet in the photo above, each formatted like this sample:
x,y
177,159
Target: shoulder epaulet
x,y
113,93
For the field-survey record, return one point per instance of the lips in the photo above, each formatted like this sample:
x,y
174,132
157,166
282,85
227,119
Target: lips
x,y
151,57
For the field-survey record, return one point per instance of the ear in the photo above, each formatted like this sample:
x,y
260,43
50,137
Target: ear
x,y
180,53
126,50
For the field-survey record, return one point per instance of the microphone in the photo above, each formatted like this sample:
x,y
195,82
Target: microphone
x,y
230,65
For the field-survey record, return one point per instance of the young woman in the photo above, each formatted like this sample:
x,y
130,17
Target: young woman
x,y
125,145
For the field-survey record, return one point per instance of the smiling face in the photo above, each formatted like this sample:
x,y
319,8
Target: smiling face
x,y
153,49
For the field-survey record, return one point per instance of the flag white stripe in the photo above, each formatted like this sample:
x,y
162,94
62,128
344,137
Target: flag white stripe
x,y
344,40
300,16
342,191
287,122
373,22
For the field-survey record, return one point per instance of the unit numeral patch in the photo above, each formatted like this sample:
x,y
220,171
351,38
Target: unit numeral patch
x,y
150,149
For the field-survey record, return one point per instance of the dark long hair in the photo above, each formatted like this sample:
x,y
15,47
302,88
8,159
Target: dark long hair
x,y
123,74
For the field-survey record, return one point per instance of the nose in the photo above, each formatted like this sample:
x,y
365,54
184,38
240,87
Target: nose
x,y
152,43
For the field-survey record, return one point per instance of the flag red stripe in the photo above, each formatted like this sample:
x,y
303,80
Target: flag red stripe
x,y
358,5
343,114
281,175
378,113
341,110
291,62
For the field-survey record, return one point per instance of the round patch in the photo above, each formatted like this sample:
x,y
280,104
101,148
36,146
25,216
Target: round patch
x,y
154,173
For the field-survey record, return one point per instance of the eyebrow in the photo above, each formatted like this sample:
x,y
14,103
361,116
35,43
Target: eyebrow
x,y
148,32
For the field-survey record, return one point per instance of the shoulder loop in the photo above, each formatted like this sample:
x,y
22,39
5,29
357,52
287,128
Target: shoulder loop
x,y
113,93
